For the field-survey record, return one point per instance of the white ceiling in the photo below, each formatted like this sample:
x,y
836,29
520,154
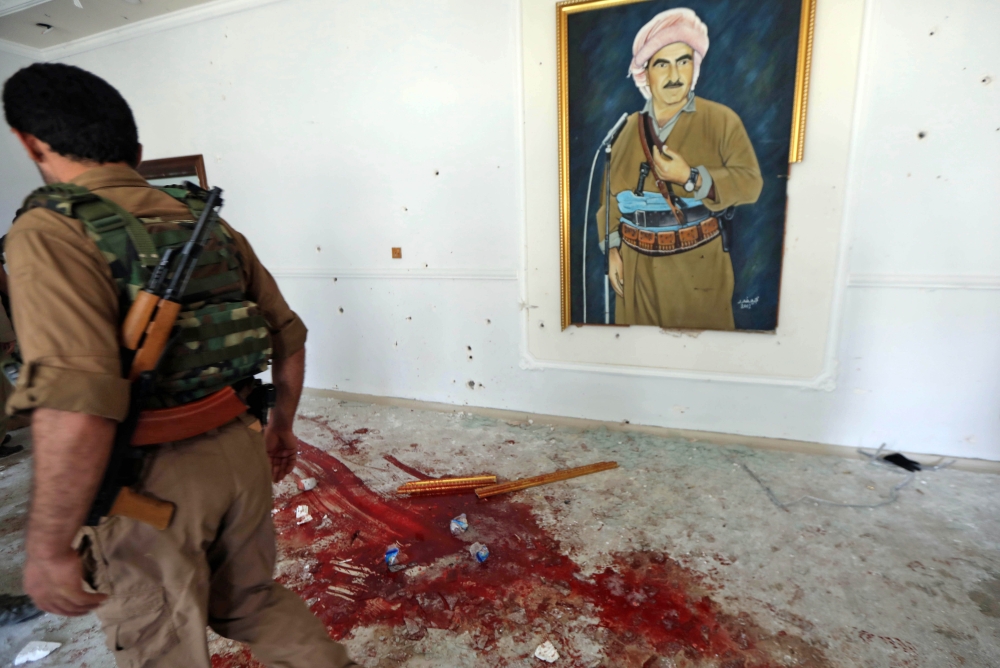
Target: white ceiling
x,y
18,18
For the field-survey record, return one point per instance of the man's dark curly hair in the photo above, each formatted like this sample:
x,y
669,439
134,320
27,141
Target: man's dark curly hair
x,y
78,114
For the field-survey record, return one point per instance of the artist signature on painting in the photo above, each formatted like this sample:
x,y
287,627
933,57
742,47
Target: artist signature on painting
x,y
746,303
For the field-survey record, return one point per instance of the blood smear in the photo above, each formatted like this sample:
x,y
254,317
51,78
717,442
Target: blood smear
x,y
649,608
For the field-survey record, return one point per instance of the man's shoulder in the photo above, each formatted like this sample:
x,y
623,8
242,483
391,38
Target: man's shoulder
x,y
627,140
630,130
45,221
714,110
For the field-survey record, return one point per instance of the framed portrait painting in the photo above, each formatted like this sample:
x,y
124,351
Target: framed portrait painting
x,y
678,120
174,171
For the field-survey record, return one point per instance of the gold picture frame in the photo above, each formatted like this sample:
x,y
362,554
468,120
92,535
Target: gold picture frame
x,y
569,7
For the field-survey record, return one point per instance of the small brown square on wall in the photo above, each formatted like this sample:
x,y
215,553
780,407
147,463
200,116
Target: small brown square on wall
x,y
397,253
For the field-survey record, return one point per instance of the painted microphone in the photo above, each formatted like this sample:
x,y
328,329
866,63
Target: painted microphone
x,y
613,132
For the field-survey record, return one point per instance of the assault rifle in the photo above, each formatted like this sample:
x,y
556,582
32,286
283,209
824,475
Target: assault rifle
x,y
147,333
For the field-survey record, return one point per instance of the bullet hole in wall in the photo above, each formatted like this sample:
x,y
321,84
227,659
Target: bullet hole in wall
x,y
541,325
618,336
341,309
318,249
488,321
469,348
437,172
987,80
921,134
471,384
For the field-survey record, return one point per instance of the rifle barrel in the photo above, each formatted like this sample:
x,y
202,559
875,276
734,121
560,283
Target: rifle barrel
x,y
192,249
159,278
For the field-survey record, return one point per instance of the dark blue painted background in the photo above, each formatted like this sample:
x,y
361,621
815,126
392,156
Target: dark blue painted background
x,y
750,67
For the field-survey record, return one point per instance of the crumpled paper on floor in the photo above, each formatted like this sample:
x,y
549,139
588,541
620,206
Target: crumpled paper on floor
x,y
35,650
547,652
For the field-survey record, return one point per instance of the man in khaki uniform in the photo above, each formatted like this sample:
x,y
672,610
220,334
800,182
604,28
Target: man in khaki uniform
x,y
681,278
156,590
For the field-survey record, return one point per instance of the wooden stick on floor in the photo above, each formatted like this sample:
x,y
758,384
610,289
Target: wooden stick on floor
x,y
446,485
525,483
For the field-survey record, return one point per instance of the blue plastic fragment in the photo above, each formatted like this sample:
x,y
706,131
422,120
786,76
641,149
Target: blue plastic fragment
x,y
480,552
459,525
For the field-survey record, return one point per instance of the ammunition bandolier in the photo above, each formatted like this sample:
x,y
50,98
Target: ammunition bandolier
x,y
221,337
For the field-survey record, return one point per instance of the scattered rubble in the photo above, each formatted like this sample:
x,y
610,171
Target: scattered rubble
x,y
547,652
480,552
302,515
459,525
35,650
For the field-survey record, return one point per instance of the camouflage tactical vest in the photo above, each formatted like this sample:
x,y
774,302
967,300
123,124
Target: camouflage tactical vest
x,y
221,338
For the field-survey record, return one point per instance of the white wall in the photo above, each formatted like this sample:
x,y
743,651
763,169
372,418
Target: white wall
x,y
326,122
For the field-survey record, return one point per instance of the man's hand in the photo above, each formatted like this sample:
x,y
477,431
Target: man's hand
x,y
616,271
71,452
56,585
282,448
671,167
287,375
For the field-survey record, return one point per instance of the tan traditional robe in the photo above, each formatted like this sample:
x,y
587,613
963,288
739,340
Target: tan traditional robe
x,y
692,289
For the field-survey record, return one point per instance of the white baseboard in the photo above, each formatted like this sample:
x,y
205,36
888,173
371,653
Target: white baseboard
x,y
758,442
924,282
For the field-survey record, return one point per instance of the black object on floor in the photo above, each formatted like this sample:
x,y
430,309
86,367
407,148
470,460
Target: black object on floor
x,y
902,462
16,609
7,450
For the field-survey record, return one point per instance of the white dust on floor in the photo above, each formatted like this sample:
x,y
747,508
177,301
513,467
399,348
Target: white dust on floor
x,y
911,585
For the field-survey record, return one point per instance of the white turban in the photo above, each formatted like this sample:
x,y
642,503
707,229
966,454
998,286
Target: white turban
x,y
674,25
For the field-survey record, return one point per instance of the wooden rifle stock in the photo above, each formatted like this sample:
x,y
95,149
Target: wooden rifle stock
x,y
138,317
157,338
154,512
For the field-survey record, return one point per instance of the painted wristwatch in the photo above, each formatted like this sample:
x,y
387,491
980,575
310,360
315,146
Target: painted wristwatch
x,y
692,180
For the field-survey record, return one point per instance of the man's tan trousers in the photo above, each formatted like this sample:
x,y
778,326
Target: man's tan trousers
x,y
212,567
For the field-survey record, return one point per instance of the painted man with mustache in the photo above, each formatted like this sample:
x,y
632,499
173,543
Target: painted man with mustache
x,y
676,167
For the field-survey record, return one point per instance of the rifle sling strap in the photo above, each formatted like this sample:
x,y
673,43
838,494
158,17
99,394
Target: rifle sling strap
x,y
103,215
